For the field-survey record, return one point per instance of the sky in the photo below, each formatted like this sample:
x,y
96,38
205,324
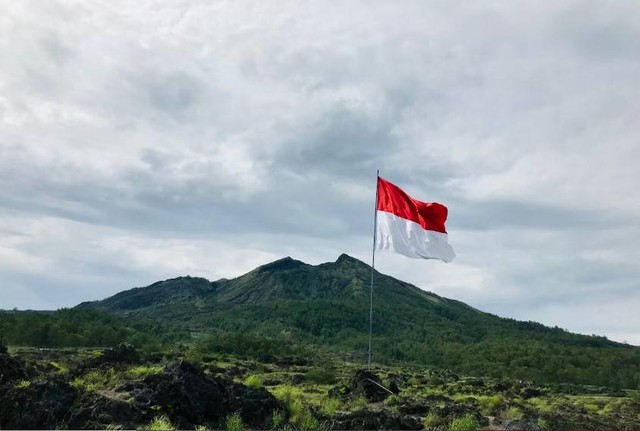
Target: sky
x,y
145,140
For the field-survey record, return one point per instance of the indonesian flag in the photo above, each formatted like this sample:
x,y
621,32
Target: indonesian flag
x,y
410,227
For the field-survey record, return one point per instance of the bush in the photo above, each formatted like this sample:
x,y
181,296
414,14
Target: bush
x,y
489,404
512,413
465,423
330,406
432,420
321,376
254,381
393,400
301,416
142,371
161,423
234,423
277,420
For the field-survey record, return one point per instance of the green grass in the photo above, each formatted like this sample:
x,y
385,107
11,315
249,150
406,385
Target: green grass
x,y
330,406
254,381
512,413
357,403
161,423
278,419
432,420
392,400
95,380
142,371
490,403
234,422
465,423
60,368
23,384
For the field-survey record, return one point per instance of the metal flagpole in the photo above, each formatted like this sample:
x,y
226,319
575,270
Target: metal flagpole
x,y
373,263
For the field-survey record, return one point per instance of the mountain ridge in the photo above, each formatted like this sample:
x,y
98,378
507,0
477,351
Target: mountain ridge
x,y
288,307
288,279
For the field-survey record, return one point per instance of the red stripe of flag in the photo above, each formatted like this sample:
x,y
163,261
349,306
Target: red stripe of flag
x,y
392,199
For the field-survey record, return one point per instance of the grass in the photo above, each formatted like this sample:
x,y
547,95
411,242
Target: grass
x,y
330,406
432,420
278,419
161,423
512,413
357,403
60,368
95,380
254,381
392,400
490,403
142,371
301,416
464,423
234,422
23,384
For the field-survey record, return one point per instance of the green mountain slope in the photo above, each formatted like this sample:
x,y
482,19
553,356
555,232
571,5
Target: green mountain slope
x,y
326,306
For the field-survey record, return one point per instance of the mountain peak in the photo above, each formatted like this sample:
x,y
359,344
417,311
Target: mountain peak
x,y
345,259
281,265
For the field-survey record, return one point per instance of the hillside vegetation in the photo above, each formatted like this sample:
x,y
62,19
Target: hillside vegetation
x,y
291,308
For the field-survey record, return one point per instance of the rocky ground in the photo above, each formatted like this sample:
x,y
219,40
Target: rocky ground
x,y
120,388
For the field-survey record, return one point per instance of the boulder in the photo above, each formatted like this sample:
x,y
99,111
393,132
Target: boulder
x,y
11,369
366,419
123,353
189,398
39,405
95,411
368,385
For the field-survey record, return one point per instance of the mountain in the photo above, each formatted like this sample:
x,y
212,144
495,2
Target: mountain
x,y
290,303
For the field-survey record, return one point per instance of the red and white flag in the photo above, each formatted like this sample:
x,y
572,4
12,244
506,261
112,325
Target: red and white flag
x,y
410,227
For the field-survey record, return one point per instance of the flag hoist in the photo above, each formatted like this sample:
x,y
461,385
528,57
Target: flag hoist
x,y
407,226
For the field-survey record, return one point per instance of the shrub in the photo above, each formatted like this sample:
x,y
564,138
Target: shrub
x,y
23,384
143,371
543,424
321,376
234,422
465,423
301,416
432,420
489,404
512,413
254,380
277,420
331,405
161,423
358,403
393,400
95,380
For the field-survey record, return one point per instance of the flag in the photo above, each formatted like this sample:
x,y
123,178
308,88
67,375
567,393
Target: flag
x,y
410,227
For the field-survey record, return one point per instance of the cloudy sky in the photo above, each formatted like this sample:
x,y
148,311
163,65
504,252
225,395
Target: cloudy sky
x,y
145,140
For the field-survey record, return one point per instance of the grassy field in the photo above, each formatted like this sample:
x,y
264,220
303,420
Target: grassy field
x,y
308,394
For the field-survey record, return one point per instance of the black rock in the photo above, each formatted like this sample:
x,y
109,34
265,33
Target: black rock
x,y
11,369
123,353
95,411
366,384
39,405
366,419
189,398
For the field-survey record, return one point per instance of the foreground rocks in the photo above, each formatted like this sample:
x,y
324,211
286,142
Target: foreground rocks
x,y
122,388
182,392
11,369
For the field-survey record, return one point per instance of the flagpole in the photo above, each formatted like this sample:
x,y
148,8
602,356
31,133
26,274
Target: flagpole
x,y
373,264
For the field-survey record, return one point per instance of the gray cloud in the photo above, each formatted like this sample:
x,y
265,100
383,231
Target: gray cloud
x,y
142,141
